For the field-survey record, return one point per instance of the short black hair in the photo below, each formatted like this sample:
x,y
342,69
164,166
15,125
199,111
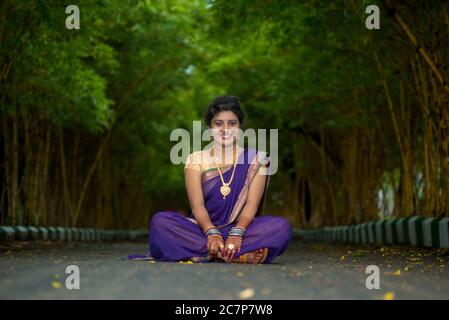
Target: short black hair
x,y
224,103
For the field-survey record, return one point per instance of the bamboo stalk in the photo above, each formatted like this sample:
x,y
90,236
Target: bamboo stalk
x,y
420,48
421,87
67,198
7,161
325,176
390,105
41,212
14,168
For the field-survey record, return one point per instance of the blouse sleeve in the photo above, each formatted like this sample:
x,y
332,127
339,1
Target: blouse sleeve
x,y
264,162
192,163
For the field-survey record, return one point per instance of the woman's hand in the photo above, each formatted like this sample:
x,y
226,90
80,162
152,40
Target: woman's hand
x,y
215,244
236,243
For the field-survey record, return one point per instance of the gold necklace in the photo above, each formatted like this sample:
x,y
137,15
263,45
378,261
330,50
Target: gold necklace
x,y
225,189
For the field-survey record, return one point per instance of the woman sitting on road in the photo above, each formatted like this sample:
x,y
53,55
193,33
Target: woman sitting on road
x,y
225,185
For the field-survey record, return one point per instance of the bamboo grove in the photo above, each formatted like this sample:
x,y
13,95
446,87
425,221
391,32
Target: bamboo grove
x,y
86,115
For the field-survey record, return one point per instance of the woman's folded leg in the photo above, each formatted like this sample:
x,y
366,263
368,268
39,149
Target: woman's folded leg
x,y
270,232
174,238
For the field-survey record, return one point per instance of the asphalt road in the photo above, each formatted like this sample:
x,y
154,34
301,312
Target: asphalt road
x,y
36,270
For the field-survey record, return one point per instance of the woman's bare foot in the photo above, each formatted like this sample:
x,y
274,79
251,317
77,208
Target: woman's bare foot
x,y
254,257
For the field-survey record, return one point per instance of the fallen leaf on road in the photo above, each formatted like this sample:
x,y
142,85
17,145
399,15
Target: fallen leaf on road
x,y
265,291
396,273
56,284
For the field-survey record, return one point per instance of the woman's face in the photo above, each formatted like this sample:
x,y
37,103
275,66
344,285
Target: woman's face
x,y
225,126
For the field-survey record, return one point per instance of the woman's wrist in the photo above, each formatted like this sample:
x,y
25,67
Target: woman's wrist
x,y
212,231
237,232
208,227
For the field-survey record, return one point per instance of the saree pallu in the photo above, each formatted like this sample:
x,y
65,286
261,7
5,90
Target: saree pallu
x,y
175,237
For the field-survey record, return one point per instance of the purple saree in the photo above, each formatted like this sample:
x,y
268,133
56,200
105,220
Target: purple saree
x,y
174,237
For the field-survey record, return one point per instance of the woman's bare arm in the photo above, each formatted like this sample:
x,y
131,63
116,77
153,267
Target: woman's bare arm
x,y
255,193
196,198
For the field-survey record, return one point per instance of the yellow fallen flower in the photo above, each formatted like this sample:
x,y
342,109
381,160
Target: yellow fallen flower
x,y
388,296
247,293
396,273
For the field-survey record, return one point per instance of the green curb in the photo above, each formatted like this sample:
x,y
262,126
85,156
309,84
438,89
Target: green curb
x,y
357,233
381,232
92,234
97,235
107,235
351,233
345,233
416,231
52,233
82,234
7,233
33,233
43,233
68,234
404,229
60,234
395,231
363,236
87,235
431,232
389,232
443,229
372,232
75,234
22,233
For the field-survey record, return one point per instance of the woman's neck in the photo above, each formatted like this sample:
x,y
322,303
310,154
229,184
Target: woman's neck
x,y
225,153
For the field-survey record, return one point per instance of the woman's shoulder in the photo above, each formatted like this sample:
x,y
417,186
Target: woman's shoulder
x,y
197,159
199,155
257,154
260,161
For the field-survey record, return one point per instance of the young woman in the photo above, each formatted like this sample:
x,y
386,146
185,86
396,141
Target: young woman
x,y
225,185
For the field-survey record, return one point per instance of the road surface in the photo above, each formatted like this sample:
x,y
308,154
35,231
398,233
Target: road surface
x,y
36,270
